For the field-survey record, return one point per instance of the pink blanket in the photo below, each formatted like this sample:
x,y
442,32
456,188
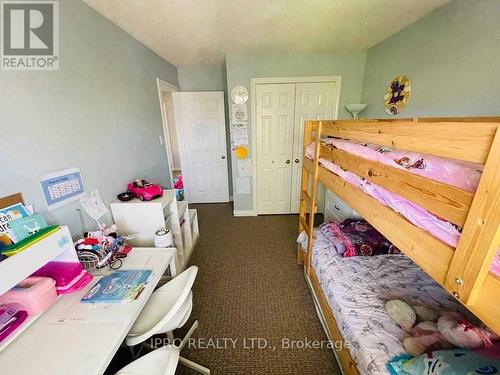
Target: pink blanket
x,y
459,174
452,172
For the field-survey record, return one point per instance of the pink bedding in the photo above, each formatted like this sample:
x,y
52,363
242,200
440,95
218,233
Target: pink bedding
x,y
452,172
459,174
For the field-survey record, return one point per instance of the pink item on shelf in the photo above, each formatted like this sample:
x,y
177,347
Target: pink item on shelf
x,y
69,276
178,183
12,315
35,294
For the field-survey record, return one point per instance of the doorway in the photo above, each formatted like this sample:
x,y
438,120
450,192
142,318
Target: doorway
x,y
281,105
165,94
195,140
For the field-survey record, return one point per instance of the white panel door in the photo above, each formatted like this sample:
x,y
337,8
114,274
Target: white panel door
x,y
313,101
275,104
201,128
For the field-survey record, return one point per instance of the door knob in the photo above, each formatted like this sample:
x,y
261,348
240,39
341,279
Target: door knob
x,y
297,161
223,157
288,161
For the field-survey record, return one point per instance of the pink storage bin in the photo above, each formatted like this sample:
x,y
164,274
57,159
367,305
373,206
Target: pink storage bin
x,y
69,276
35,294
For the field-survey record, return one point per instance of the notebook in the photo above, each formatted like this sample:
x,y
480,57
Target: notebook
x,y
119,287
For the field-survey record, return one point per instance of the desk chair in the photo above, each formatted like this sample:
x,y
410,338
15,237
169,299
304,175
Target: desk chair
x,y
168,308
161,361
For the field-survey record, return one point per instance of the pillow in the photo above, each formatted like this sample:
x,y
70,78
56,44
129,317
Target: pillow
x,y
444,362
331,237
321,241
355,237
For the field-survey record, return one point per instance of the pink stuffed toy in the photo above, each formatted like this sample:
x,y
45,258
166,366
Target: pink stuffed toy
x,y
464,334
449,331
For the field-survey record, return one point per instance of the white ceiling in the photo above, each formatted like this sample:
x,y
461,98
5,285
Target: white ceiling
x,y
194,32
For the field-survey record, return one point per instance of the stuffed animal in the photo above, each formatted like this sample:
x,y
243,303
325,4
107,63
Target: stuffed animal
x,y
436,331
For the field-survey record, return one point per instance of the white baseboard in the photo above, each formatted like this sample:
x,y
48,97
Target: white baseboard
x,y
244,213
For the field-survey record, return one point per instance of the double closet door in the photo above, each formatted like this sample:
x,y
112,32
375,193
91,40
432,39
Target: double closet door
x,y
281,110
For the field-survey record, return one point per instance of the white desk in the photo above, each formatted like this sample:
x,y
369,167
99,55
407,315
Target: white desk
x,y
79,338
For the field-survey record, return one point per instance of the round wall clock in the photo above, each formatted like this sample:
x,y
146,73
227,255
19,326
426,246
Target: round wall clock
x,y
239,94
397,95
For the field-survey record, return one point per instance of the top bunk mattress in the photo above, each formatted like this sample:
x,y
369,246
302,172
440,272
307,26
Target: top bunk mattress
x,y
357,288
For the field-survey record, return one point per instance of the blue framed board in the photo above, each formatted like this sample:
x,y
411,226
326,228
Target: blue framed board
x,y
62,187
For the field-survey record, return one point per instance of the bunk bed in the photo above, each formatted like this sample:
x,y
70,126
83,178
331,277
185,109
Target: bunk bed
x,y
462,270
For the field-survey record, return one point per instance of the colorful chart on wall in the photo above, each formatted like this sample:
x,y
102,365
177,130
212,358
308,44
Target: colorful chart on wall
x,y
62,187
397,95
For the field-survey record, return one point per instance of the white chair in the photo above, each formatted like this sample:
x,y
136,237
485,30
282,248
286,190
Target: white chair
x,y
168,308
161,361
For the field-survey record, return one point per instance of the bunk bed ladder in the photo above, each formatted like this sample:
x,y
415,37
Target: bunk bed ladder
x,y
309,169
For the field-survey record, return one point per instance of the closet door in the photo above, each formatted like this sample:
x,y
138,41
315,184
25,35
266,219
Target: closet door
x,y
314,101
275,104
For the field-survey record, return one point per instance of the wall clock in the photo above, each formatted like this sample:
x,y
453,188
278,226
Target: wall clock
x,y
397,95
239,94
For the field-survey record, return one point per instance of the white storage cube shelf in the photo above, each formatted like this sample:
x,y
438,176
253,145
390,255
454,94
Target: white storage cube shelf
x,y
143,218
57,246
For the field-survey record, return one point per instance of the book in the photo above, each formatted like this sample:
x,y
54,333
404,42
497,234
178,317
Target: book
x,y
28,241
9,213
27,226
118,287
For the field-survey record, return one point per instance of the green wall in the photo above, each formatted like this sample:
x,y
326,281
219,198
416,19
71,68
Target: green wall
x,y
452,57
99,112
241,68
202,78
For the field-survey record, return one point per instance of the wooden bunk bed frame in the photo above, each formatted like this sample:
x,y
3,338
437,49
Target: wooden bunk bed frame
x,y
464,271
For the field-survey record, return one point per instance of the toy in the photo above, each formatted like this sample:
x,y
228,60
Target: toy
x,y
144,190
436,331
102,248
178,185
125,197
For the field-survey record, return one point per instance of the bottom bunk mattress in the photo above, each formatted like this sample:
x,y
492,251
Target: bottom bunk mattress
x,y
358,287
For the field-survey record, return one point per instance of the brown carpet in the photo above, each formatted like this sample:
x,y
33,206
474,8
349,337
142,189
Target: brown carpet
x,y
249,287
